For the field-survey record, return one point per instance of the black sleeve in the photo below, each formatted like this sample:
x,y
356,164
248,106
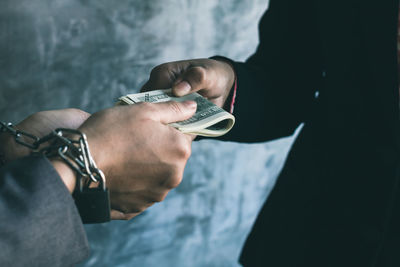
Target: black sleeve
x,y
39,223
276,86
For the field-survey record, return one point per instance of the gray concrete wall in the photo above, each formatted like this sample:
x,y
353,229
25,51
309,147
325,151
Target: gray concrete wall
x,y
85,54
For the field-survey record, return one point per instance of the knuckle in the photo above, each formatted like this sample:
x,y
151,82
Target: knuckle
x,y
135,209
129,216
143,105
159,197
124,209
186,151
173,177
160,71
147,107
155,70
176,107
141,209
173,182
199,75
183,148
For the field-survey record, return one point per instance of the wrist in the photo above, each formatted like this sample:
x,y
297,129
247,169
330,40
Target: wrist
x,y
230,82
68,176
96,147
229,70
9,149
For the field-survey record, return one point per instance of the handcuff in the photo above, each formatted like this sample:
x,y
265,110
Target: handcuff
x,y
71,146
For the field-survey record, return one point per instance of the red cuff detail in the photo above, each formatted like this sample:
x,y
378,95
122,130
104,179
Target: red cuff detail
x,y
232,106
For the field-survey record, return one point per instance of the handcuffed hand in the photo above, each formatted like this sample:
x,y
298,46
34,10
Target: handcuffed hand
x,y
41,124
211,78
141,156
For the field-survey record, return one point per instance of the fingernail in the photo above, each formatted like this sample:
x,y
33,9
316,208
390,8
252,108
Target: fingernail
x,y
190,104
182,88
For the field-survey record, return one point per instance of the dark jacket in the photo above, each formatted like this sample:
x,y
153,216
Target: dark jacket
x,y
39,222
333,66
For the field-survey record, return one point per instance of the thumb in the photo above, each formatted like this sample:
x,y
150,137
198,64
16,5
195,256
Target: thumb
x,y
168,112
192,80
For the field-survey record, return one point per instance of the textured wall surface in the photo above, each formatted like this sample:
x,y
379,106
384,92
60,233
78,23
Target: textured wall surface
x,y
85,54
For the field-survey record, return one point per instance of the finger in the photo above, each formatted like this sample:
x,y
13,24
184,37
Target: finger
x,y
192,80
161,77
117,215
191,137
172,111
129,216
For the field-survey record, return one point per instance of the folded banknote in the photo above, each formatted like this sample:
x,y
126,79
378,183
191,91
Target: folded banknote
x,y
209,119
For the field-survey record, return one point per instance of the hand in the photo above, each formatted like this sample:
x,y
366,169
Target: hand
x,y
212,79
141,156
41,124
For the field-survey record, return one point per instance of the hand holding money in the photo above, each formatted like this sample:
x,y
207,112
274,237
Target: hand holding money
x,y
209,119
141,157
211,78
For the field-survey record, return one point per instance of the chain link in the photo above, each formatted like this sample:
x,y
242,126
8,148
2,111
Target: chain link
x,y
68,144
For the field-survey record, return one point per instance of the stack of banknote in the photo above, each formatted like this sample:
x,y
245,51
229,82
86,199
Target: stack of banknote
x,y
209,119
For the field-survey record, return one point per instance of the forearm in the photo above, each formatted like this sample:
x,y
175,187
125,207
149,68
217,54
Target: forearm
x,y
263,109
277,84
67,175
10,150
39,222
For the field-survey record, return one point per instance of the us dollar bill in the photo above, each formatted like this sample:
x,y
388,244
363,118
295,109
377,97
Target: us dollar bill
x,y
209,119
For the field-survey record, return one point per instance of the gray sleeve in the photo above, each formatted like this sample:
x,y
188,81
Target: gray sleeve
x,y
39,223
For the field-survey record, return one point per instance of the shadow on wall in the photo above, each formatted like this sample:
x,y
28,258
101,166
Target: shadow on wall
x,y
87,53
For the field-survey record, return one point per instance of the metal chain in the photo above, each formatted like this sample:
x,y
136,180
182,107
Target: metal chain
x,y
18,135
68,144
